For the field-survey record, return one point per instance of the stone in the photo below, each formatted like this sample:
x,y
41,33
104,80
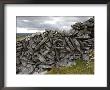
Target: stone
x,y
39,52
85,57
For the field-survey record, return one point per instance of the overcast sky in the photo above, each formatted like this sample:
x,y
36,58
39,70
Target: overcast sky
x,y
33,23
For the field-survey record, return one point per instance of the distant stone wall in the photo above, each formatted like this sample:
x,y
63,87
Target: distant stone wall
x,y
40,52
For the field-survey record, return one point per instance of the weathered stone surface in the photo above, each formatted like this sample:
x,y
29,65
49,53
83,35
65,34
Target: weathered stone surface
x,y
38,53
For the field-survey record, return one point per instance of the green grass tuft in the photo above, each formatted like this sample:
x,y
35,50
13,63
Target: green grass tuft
x,y
81,67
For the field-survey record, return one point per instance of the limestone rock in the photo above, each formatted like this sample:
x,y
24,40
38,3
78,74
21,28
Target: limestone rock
x,y
38,53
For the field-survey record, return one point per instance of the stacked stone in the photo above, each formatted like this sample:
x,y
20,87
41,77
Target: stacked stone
x,y
40,52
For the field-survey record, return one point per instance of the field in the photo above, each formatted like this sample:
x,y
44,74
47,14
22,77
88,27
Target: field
x,y
20,36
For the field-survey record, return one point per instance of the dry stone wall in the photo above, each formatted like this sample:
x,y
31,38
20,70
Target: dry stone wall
x,y
38,53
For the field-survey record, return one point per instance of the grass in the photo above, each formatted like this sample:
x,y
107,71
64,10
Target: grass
x,y
19,38
81,67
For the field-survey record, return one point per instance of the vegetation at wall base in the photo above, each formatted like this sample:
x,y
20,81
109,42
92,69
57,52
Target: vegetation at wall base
x,y
81,67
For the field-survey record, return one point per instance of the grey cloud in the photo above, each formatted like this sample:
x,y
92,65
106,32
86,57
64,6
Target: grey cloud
x,y
39,21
